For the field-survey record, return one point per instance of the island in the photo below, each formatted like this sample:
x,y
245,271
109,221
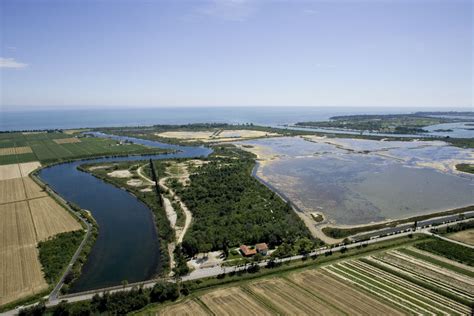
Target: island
x,y
392,123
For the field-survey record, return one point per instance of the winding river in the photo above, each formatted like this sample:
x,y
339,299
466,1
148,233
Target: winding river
x,y
127,246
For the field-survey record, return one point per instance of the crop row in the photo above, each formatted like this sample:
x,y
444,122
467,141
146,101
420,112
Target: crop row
x,y
406,295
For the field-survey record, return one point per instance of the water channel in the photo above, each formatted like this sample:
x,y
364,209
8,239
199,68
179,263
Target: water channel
x,y
127,247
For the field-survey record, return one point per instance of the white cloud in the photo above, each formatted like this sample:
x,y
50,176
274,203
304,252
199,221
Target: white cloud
x,y
230,10
11,63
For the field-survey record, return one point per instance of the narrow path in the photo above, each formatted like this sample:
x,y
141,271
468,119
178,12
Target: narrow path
x,y
187,212
144,177
170,213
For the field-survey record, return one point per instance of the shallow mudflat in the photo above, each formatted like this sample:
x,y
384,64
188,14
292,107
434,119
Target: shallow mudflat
x,y
361,181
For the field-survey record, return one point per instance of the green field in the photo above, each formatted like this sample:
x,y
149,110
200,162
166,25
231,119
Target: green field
x,y
46,150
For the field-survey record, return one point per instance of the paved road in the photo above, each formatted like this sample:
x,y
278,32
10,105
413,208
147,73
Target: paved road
x,y
215,271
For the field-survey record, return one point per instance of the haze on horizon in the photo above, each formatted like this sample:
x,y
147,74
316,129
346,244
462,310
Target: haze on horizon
x,y
61,54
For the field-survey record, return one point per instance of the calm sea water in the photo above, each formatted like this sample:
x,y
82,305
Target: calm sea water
x,y
50,119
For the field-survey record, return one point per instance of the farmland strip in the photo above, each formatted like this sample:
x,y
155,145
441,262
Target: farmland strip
x,y
430,298
290,300
391,286
268,304
232,301
412,278
314,294
204,306
405,266
418,289
369,288
357,301
441,261
432,267
186,308
380,287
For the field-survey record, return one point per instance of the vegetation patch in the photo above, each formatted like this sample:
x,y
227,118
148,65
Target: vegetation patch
x,y
55,253
465,167
231,208
449,250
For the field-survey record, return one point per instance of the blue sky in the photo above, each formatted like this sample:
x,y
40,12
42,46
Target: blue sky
x,y
235,52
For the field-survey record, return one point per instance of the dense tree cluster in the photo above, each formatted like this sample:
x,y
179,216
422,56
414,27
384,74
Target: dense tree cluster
x,y
230,207
56,252
181,267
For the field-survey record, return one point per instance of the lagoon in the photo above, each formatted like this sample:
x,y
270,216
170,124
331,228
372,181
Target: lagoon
x,y
362,181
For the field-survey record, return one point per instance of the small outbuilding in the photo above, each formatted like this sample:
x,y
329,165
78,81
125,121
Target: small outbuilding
x,y
246,251
262,248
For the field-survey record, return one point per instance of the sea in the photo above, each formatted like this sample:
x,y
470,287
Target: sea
x,y
19,120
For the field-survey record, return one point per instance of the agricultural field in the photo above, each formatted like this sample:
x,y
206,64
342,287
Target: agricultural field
x,y
187,308
232,300
466,236
50,218
449,250
28,216
71,140
402,280
330,290
408,282
57,146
